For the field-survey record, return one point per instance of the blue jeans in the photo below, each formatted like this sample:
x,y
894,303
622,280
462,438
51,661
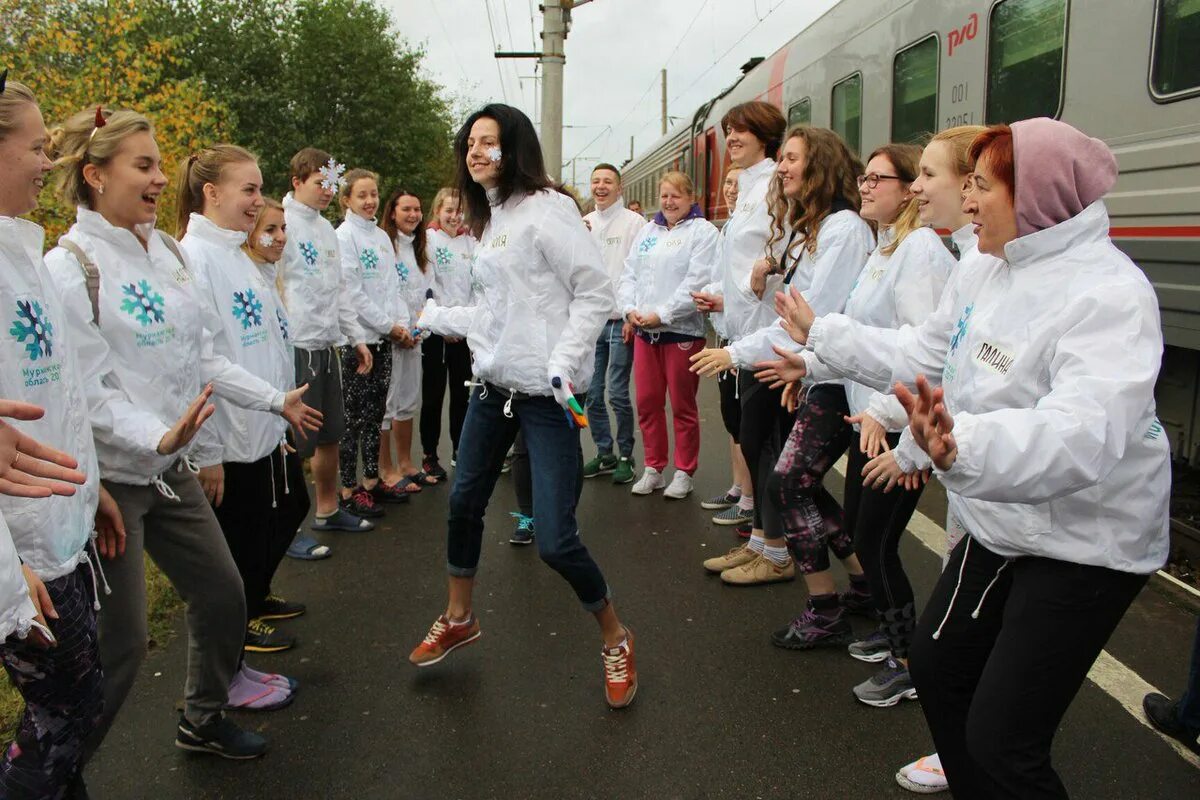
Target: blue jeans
x,y
614,361
1188,709
556,465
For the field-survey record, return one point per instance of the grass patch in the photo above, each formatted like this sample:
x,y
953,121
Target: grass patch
x,y
162,603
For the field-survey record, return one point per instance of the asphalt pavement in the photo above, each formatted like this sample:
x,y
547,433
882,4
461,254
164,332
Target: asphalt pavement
x,y
720,713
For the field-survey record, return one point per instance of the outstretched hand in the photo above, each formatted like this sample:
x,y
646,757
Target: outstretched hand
x,y
188,425
788,368
930,422
711,361
795,314
29,468
301,416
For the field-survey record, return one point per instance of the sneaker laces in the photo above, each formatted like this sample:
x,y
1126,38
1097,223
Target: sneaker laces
x,y
616,665
363,497
436,633
524,523
261,628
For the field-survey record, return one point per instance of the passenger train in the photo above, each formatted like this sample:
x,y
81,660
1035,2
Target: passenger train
x,y
1126,71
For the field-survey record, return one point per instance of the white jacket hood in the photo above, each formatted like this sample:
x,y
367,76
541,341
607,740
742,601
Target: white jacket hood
x,y
664,266
246,332
40,349
152,352
543,297
1059,450
320,307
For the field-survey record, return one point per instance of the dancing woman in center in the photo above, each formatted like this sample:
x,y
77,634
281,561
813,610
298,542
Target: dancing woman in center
x,y
543,296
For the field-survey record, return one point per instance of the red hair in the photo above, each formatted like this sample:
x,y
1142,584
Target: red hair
x,y
995,146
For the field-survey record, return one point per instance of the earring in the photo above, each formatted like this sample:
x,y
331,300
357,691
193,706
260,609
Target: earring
x,y
101,189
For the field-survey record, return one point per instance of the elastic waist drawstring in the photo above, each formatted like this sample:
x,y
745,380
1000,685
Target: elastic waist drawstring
x,y
938,633
186,461
94,566
311,371
483,391
271,466
996,577
508,404
283,454
164,488
333,355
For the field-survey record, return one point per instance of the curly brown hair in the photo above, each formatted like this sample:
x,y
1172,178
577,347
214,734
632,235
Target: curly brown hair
x,y
830,173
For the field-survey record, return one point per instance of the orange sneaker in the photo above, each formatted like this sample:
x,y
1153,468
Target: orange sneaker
x,y
620,673
442,639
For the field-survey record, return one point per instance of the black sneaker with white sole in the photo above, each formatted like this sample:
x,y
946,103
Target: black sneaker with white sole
x,y
220,737
264,638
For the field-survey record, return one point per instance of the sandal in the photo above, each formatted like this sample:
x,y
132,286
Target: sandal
x,y
306,548
923,776
424,479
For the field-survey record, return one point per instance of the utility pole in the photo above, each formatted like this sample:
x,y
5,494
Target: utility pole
x,y
556,24
664,101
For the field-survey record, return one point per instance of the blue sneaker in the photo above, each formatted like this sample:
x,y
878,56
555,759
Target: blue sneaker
x,y
524,532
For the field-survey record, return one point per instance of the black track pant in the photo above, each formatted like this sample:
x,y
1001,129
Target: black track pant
x,y
994,688
876,519
440,359
764,428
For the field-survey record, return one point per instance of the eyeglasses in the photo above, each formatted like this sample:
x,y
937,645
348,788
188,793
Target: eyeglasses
x,y
872,179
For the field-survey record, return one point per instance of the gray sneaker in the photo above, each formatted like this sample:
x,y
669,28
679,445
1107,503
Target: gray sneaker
x,y
873,649
887,687
734,515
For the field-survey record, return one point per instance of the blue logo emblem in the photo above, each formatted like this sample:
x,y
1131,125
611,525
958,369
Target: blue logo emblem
x,y
402,271
309,251
647,244
369,258
960,331
33,330
283,323
247,309
143,303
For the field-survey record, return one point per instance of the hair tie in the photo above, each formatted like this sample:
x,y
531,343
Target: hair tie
x,y
99,123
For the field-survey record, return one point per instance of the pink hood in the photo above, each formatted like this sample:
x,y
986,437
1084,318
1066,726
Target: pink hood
x,y
1059,172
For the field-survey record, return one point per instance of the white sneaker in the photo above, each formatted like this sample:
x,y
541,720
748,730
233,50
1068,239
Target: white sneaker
x,y
681,486
650,481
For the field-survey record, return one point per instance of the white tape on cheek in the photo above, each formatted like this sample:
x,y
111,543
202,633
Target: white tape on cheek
x,y
494,154
266,240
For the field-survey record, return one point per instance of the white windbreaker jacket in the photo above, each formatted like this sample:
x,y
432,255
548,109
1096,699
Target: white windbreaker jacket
x,y
892,290
50,533
369,272
825,278
746,234
269,275
543,297
152,352
247,333
321,309
452,258
664,266
414,283
1048,361
16,609
613,230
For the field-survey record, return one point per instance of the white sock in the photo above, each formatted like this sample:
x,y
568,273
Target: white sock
x,y
454,623
776,555
756,544
734,491
746,503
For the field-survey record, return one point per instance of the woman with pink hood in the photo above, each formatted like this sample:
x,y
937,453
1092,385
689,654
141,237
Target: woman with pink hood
x,y
1043,430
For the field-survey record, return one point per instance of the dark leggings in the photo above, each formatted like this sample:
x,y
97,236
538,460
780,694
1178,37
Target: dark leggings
x,y
440,359
812,520
764,426
731,405
1015,640
876,519
364,398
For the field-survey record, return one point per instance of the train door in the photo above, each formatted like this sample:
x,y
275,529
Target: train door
x,y
711,188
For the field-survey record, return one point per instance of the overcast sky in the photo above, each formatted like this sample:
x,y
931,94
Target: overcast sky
x,y
614,53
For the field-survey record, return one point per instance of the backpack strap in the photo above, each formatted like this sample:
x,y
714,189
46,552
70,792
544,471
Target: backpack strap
x,y
91,274
173,246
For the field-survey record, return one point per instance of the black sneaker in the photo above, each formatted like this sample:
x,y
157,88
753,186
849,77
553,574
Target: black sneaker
x,y
275,607
1164,716
382,493
853,602
524,531
433,468
811,630
220,737
263,638
360,503
744,530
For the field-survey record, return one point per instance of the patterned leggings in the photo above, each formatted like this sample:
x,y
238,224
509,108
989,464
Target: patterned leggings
x,y
364,398
63,695
812,520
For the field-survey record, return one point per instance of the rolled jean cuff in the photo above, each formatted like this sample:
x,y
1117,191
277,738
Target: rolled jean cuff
x,y
461,572
598,605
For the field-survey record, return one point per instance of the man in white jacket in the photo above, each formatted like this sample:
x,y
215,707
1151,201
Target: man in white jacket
x,y
613,228
322,317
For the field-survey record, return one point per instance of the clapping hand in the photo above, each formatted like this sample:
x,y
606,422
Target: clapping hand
x,y
930,422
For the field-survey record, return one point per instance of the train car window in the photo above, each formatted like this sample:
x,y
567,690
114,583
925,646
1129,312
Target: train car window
x,y
847,110
1026,43
914,90
800,112
1175,60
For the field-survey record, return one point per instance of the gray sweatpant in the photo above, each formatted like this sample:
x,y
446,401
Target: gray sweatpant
x,y
185,541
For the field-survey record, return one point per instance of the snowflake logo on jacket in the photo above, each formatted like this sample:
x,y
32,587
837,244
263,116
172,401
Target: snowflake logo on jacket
x,y
283,323
647,244
33,330
143,303
443,256
247,309
369,259
402,271
309,251
960,331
